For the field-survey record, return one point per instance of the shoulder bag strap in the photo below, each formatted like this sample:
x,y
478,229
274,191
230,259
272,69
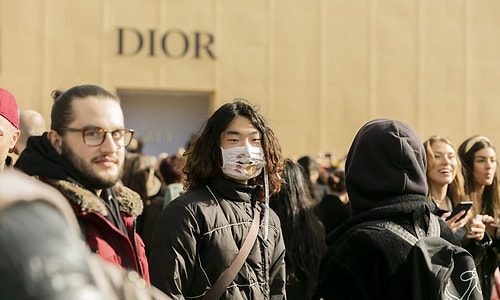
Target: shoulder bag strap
x,y
225,279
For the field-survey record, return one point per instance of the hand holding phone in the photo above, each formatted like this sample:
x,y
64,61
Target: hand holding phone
x,y
465,205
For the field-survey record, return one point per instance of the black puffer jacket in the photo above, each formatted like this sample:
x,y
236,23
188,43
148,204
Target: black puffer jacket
x,y
198,236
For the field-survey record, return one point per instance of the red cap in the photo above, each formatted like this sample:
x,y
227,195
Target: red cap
x,y
8,107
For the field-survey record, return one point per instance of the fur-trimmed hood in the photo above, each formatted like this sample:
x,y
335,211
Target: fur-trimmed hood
x,y
129,202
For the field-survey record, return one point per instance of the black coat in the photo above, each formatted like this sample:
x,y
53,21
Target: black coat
x,y
197,236
368,263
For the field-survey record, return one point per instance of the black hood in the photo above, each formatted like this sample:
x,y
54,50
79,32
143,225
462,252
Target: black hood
x,y
386,160
41,159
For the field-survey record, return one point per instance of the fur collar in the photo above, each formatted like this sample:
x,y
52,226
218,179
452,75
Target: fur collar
x,y
129,201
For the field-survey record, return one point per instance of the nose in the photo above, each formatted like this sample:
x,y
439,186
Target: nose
x,y
246,142
446,160
489,164
109,145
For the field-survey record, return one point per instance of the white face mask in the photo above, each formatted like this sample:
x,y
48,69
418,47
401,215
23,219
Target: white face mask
x,y
242,163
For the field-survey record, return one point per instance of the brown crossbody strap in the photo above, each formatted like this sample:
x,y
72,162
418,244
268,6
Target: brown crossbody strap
x,y
225,279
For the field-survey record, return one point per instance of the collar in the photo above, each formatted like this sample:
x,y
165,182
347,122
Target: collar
x,y
129,202
232,190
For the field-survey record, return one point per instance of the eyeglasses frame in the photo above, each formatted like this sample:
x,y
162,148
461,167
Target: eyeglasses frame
x,y
84,130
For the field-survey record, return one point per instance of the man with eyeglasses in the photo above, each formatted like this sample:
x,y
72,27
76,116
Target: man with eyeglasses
x,y
82,156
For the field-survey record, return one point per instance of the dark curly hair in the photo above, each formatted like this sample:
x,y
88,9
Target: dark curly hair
x,y
204,157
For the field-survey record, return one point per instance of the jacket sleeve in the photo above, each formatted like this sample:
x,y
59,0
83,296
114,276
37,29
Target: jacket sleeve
x,y
173,250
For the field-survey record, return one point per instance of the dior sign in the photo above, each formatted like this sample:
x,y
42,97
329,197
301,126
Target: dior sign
x,y
173,43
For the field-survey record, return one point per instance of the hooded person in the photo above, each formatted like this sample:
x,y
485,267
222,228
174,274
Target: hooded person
x,y
386,180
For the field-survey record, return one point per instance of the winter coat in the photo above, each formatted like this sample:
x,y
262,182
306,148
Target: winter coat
x,y
200,233
103,237
368,263
386,180
43,256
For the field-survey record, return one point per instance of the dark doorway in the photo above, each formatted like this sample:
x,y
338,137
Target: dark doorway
x,y
164,121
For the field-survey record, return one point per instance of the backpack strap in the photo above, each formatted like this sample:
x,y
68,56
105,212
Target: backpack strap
x,y
400,231
433,230
434,227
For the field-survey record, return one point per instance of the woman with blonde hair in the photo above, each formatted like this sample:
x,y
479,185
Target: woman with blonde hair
x,y
444,180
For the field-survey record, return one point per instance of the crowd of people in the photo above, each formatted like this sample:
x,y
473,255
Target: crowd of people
x,y
230,217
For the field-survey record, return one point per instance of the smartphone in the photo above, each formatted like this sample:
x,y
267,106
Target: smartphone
x,y
465,205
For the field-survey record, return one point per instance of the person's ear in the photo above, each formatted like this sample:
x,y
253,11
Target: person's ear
x,y
55,140
13,140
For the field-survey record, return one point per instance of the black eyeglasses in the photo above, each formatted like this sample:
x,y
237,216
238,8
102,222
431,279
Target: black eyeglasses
x,y
97,136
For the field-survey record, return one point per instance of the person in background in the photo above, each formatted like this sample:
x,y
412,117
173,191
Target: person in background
x,y
9,126
82,156
231,171
314,174
139,175
444,180
303,232
171,173
479,168
334,208
136,145
385,179
47,259
31,123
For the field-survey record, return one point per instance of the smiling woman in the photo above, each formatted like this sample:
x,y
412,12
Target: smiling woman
x,y
443,176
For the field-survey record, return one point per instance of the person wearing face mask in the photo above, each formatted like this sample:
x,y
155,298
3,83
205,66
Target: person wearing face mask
x,y
231,169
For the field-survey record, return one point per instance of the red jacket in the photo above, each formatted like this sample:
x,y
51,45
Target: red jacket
x,y
103,237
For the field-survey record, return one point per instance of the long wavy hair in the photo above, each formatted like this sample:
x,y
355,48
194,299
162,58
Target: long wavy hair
x,y
455,191
303,232
204,156
490,198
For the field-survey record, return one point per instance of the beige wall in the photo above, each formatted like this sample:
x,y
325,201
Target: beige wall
x,y
319,69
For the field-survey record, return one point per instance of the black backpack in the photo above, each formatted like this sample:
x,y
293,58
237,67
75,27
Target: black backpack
x,y
440,269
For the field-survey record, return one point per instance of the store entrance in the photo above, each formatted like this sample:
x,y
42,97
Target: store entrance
x,y
165,121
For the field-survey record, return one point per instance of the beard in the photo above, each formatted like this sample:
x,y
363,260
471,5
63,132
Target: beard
x,y
85,168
